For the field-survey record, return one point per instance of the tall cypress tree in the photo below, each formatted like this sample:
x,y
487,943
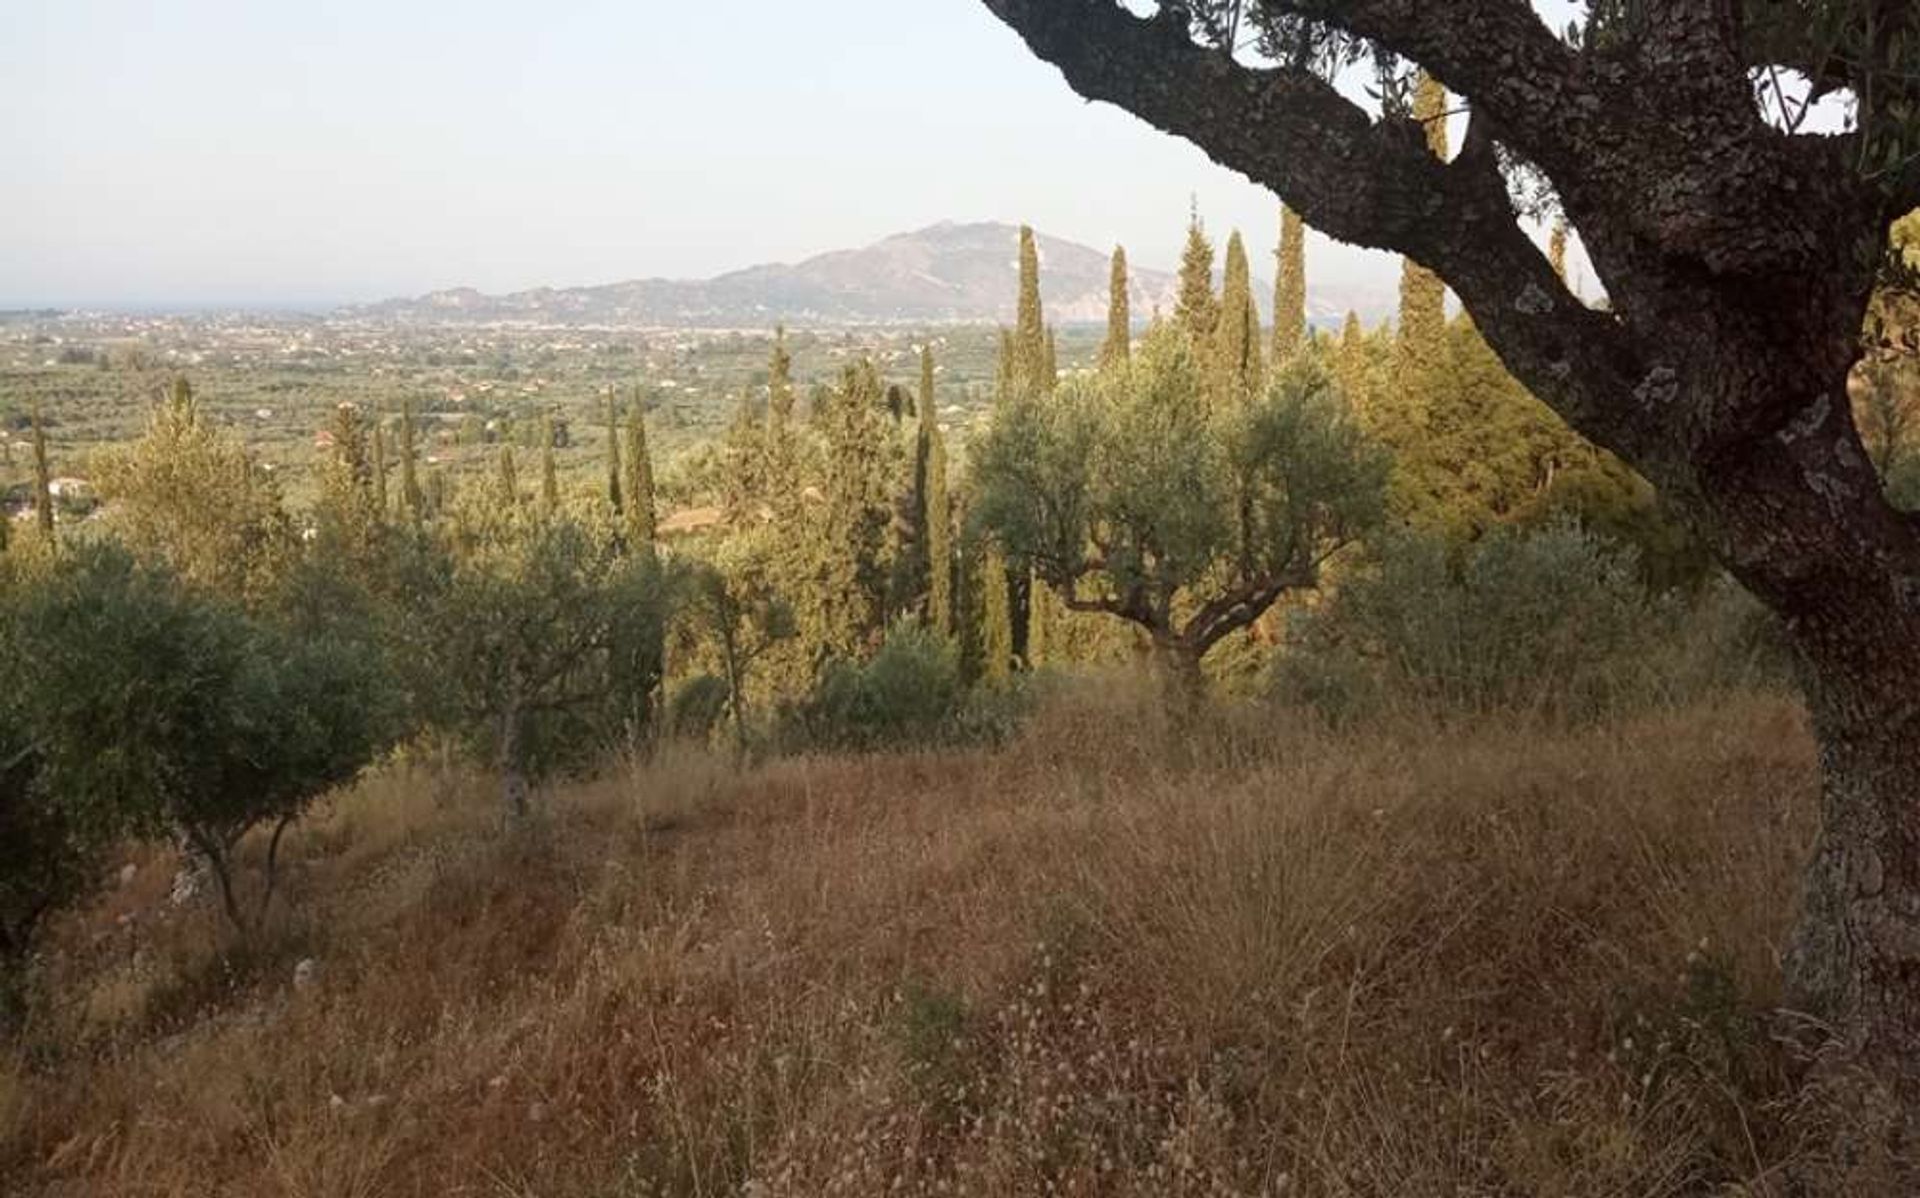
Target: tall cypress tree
x,y
1029,330
380,467
859,508
1007,371
1119,343
641,525
410,496
1196,310
549,473
996,618
936,514
42,476
1049,363
779,385
613,452
1290,288
1350,365
1236,341
509,479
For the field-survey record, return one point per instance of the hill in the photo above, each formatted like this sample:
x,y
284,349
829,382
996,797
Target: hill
x,y
1491,959
946,273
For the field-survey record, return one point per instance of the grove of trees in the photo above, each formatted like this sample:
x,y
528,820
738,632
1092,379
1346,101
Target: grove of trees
x,y
1741,250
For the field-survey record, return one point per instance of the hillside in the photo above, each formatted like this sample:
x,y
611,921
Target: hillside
x,y
959,273
1495,960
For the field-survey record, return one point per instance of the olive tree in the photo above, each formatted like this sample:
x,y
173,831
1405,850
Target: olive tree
x,y
1739,247
1130,493
541,640
145,706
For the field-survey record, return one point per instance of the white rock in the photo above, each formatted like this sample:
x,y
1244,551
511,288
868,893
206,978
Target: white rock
x,y
128,873
305,973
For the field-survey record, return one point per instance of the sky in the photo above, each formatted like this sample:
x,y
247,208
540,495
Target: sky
x,y
232,152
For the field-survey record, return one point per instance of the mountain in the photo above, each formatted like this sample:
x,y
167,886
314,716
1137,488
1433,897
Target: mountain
x,y
959,273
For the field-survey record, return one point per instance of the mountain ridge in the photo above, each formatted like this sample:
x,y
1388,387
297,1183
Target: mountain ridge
x,y
946,273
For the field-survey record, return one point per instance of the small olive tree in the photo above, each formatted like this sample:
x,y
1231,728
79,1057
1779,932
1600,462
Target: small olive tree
x,y
1131,493
146,706
541,640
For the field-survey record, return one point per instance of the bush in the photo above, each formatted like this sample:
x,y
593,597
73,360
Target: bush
x,y
1555,619
907,693
149,707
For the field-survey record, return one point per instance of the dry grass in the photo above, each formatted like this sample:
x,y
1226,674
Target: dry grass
x,y
1407,962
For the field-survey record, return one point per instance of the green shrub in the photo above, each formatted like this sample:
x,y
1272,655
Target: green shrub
x,y
907,693
148,707
1554,619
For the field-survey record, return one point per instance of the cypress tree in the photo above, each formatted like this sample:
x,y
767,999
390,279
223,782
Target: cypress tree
x,y
1029,331
1118,346
509,479
1290,288
1236,348
1557,249
1006,373
380,468
42,476
852,573
936,514
613,453
1196,310
1350,363
1049,363
641,526
549,473
996,618
410,496
779,385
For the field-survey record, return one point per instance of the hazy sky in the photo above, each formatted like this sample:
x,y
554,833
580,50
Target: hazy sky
x,y
241,151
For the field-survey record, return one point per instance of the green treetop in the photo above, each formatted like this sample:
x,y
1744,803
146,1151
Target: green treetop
x,y
779,385
549,473
509,479
1029,330
1290,288
1196,310
1119,342
935,516
380,467
641,524
410,497
613,452
42,476
187,496
1236,349
1130,497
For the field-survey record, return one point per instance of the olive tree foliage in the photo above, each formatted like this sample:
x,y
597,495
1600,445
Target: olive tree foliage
x,y
1130,493
189,496
540,640
142,705
731,606
1739,247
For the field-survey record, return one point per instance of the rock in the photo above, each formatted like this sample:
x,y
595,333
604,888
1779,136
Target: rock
x,y
128,873
306,973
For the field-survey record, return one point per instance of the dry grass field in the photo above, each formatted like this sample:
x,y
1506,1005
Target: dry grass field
x,y
1415,959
